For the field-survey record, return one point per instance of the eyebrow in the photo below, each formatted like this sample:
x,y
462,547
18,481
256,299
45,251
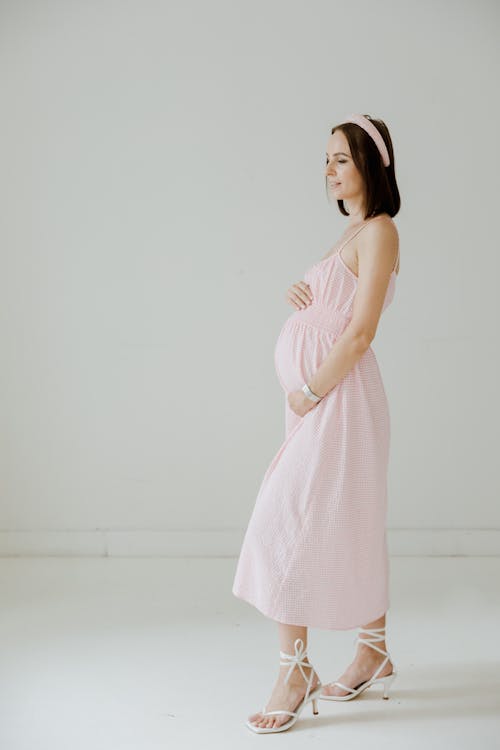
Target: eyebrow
x,y
339,153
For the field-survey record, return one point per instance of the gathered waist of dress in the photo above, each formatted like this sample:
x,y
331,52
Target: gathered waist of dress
x,y
322,317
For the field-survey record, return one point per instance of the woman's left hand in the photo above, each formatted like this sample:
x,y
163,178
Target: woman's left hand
x,y
299,403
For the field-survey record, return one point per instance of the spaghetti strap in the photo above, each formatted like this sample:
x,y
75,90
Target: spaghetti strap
x,y
396,263
355,233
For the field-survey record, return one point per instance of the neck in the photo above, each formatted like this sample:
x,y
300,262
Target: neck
x,y
356,210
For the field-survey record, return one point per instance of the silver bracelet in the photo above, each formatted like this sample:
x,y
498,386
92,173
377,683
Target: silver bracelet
x,y
312,396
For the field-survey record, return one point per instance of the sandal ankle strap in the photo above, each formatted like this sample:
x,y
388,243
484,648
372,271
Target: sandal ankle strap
x,y
374,639
297,660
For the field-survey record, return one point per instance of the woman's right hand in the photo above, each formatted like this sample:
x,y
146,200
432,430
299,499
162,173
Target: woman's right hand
x,y
299,295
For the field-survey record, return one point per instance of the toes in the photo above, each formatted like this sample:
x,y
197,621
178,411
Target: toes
x,y
267,722
256,719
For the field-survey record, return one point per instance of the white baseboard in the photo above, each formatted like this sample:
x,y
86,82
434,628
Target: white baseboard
x,y
223,543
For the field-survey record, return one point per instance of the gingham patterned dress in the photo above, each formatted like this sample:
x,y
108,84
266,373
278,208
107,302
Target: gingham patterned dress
x,y
315,549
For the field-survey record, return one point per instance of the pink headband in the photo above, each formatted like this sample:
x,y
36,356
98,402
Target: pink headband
x,y
372,131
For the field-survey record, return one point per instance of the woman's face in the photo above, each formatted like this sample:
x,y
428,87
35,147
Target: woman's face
x,y
343,178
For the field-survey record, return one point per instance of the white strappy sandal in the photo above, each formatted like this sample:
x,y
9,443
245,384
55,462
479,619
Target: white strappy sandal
x,y
294,660
386,680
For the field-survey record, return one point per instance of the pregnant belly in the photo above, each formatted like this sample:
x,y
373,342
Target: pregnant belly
x,y
299,351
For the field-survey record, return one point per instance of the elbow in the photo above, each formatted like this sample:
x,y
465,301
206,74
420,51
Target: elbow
x,y
362,340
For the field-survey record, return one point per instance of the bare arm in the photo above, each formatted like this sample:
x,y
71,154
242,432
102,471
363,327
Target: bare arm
x,y
377,250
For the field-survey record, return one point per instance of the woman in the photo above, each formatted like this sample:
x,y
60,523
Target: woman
x,y
315,551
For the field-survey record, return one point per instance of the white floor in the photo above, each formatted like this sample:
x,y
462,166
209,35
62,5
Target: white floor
x,y
149,653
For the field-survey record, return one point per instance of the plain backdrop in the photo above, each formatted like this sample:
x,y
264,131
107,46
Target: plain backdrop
x,y
162,185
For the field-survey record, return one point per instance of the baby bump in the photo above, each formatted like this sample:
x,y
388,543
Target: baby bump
x,y
299,351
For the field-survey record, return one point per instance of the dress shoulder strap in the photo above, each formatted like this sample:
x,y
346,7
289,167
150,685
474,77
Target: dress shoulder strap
x,y
397,258
356,232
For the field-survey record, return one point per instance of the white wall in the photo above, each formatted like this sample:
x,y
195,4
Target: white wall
x,y
162,185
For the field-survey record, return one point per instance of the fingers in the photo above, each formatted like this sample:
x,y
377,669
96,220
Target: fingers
x,y
299,295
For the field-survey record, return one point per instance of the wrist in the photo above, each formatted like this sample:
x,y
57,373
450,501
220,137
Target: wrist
x,y
310,394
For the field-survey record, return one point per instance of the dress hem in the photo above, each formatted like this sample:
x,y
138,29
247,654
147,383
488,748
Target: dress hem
x,y
312,624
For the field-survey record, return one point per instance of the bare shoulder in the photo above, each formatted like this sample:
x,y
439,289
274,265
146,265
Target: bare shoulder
x,y
379,241
383,228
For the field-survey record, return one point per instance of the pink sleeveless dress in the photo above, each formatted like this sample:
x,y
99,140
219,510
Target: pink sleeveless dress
x,y
315,549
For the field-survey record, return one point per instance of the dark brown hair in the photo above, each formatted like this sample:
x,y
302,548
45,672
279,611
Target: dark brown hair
x,y
381,190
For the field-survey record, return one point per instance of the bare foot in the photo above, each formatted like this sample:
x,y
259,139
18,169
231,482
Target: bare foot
x,y
359,671
284,696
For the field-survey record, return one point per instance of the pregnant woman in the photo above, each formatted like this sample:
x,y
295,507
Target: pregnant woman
x,y
315,550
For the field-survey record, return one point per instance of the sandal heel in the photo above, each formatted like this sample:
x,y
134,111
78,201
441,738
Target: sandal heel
x,y
387,683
